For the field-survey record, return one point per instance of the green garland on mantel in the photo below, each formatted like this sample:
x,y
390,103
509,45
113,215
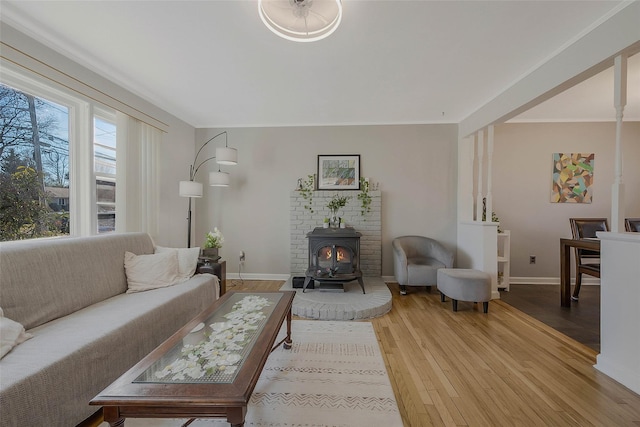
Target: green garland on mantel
x,y
364,197
307,187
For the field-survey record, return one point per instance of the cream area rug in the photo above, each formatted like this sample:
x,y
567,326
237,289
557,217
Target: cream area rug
x,y
333,376
351,304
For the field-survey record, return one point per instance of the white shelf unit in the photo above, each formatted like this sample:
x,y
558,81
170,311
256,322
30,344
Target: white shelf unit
x,y
504,263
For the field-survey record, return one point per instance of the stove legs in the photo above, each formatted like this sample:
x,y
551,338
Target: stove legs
x,y
307,280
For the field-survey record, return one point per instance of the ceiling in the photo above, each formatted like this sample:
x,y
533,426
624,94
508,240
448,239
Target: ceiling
x,y
214,63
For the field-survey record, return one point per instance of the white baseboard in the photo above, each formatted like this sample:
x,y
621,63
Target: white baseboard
x,y
265,276
257,276
391,279
529,280
550,280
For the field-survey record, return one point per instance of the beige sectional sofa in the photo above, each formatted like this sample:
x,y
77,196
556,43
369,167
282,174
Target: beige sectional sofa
x,y
70,294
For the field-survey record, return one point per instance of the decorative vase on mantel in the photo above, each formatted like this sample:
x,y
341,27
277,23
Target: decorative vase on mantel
x,y
210,252
334,219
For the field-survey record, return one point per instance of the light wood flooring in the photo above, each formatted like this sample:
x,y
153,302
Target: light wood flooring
x,y
503,368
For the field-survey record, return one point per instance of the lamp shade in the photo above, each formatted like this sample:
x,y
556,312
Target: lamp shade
x,y
190,189
226,156
301,20
219,179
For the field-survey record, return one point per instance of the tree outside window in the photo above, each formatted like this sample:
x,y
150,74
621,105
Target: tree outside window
x,y
34,166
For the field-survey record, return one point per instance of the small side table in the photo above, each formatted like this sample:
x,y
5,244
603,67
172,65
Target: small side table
x,y
218,268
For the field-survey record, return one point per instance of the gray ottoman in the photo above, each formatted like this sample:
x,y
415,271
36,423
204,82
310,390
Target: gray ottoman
x,y
462,284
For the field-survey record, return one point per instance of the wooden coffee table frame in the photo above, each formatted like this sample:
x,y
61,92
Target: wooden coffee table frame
x,y
126,399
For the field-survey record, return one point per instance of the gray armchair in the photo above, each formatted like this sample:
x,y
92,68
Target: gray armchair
x,y
416,260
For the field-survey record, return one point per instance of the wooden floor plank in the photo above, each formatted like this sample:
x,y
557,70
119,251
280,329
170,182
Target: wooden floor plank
x,y
503,368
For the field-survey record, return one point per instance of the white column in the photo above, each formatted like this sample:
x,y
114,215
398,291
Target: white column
x,y
465,179
620,101
489,172
477,240
480,146
471,159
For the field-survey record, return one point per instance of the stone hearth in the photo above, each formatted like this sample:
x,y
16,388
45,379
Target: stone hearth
x,y
349,305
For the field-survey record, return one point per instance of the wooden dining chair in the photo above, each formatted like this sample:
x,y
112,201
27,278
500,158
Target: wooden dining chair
x,y
632,225
587,261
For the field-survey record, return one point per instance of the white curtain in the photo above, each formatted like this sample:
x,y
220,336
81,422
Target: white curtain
x,y
137,176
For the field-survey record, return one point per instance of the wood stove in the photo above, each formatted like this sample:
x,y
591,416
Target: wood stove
x,y
334,256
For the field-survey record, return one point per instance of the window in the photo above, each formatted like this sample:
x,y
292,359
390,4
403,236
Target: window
x,y
104,166
34,166
53,179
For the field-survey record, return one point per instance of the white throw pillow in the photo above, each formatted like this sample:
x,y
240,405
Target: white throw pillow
x,y
146,272
12,333
187,260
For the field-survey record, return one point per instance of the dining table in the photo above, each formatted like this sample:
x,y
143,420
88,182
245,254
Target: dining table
x,y
592,244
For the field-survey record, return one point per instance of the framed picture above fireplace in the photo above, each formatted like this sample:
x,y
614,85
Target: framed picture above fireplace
x,y
339,172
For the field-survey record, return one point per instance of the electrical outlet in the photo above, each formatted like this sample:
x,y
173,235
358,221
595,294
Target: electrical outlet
x,y
242,256
532,259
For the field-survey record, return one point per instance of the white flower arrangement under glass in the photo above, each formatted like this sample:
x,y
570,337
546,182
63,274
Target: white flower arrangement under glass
x,y
214,239
222,350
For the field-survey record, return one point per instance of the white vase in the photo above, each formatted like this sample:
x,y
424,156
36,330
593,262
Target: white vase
x,y
335,220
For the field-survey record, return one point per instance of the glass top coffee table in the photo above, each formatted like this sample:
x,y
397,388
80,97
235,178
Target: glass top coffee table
x,y
209,368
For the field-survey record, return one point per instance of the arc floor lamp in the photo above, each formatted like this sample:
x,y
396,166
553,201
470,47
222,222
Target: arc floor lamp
x,y
224,156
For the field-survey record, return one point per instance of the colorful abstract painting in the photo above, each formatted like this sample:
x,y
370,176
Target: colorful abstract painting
x,y
572,177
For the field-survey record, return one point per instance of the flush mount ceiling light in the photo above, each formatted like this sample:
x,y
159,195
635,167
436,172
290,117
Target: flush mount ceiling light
x,y
301,20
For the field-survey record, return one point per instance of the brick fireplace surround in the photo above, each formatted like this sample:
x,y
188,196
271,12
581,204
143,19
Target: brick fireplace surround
x,y
302,221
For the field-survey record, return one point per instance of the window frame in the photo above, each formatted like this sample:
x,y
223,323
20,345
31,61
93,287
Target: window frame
x,y
106,115
83,216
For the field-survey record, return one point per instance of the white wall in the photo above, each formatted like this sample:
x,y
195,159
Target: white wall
x,y
620,343
175,157
416,166
522,186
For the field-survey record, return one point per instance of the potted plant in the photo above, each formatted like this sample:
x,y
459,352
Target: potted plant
x,y
325,223
334,205
213,241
